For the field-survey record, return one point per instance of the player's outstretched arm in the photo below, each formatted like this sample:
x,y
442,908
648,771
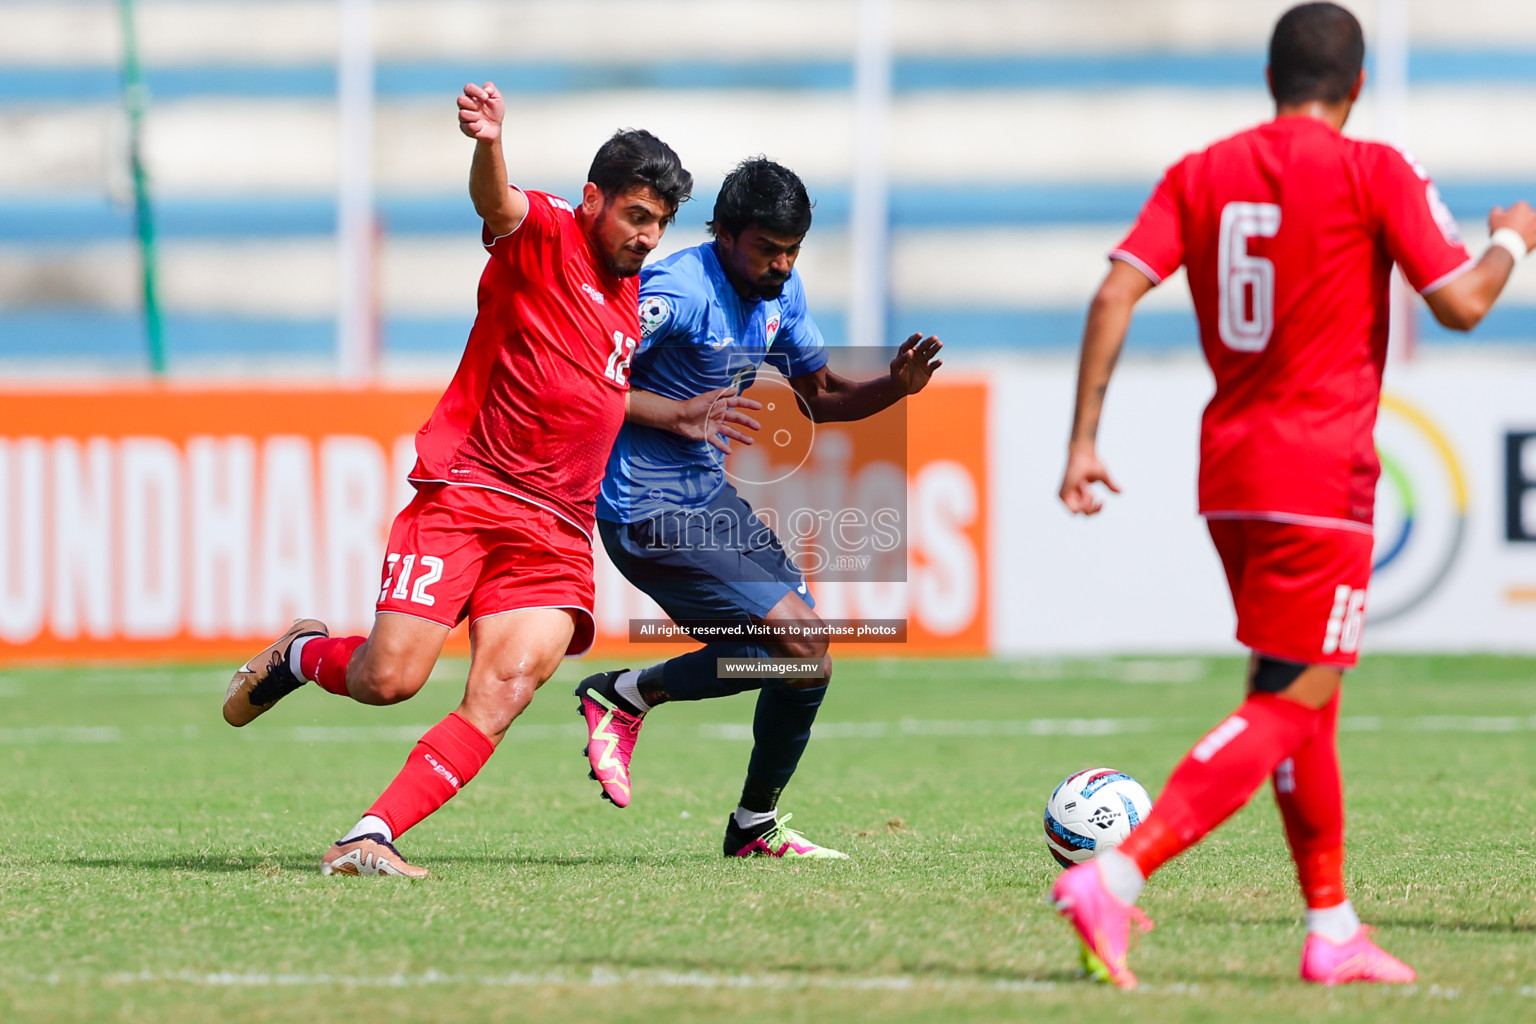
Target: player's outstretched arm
x,y
481,111
1462,303
719,416
1109,316
829,398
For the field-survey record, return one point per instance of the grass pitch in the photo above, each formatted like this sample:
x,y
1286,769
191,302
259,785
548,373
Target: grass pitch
x,y
156,865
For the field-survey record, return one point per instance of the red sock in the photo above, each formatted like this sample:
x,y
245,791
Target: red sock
x,y
450,754
324,659
1311,798
1218,776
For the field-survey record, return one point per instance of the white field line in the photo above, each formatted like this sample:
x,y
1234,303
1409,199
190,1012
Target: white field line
x,y
1464,723
62,734
906,728
411,733
939,727
1181,670
601,977
930,727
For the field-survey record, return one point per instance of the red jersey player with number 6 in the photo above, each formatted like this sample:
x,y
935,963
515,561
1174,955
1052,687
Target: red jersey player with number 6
x,y
500,530
1288,232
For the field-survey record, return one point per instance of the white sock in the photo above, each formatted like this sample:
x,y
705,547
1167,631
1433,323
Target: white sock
x,y
1121,876
369,824
750,819
296,656
628,687
1336,924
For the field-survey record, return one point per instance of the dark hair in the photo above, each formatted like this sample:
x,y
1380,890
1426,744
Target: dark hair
x,y
1315,54
759,191
634,157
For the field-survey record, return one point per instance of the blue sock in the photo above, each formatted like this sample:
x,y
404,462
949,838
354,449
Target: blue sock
x,y
694,676
781,729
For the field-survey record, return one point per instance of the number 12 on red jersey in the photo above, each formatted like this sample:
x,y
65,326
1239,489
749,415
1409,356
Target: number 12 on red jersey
x,y
618,362
1245,283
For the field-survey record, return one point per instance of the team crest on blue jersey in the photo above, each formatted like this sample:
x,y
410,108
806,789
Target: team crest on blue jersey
x,y
773,328
654,311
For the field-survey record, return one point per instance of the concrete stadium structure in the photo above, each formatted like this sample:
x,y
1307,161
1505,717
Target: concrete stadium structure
x,y
1024,135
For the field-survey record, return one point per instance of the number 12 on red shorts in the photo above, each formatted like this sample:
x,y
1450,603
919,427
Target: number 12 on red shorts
x,y
398,572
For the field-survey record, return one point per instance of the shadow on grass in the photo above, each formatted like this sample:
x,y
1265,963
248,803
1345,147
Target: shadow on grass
x,y
212,864
555,860
1471,927
1424,924
926,971
235,863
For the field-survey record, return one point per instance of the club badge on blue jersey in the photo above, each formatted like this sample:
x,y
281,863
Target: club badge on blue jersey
x,y
699,334
654,312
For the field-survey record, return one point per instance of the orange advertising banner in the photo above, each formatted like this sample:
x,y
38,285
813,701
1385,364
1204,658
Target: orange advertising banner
x,y
938,453
171,523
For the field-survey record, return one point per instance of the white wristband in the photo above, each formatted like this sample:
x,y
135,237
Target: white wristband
x,y
1511,242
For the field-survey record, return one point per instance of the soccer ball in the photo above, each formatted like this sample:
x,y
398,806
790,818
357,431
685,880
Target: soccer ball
x,y
1091,811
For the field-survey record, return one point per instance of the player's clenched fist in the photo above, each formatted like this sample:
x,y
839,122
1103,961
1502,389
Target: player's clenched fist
x,y
481,109
1520,217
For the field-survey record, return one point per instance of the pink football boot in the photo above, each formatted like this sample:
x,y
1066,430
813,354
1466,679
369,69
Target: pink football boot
x,y
611,735
1102,922
1357,958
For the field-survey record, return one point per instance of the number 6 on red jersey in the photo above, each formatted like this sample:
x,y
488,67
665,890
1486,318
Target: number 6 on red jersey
x,y
1245,283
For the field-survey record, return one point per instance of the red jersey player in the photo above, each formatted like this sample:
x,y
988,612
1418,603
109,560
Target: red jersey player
x,y
509,465
1288,232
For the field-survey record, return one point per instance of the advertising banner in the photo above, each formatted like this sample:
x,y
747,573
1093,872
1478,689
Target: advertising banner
x,y
162,523
194,524
167,523
942,591
1455,537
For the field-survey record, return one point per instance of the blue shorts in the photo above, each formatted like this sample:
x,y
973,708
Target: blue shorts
x,y
718,562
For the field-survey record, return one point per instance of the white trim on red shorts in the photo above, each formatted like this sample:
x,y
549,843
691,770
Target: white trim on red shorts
x,y
511,494
1342,666
1296,519
1122,255
562,607
1271,655
1443,280
377,611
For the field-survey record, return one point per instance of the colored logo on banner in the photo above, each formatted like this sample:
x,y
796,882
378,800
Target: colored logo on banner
x,y
1421,510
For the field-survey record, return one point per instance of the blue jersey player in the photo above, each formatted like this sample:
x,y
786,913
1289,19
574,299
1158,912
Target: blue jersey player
x,y
711,316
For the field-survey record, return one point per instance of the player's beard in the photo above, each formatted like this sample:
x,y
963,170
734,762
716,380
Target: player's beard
x,y
626,262
770,287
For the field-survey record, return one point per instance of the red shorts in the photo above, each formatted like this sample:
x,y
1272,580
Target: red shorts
x,y
1299,590
459,552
